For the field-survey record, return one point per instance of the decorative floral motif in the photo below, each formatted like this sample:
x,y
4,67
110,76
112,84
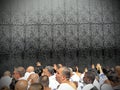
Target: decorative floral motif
x,y
63,31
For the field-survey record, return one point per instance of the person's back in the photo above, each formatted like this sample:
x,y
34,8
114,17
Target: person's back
x,y
6,79
36,86
106,86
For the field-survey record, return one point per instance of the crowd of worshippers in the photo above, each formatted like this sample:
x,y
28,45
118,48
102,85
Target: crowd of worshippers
x,y
59,77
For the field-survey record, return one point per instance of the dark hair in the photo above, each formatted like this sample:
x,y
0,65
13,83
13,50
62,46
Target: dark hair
x,y
74,69
112,76
39,70
90,75
13,82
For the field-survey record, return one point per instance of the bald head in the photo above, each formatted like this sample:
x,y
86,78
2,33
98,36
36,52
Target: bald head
x,y
21,85
36,86
30,69
34,78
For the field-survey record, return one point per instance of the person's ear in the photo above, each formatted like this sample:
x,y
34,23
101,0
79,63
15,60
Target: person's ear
x,y
63,77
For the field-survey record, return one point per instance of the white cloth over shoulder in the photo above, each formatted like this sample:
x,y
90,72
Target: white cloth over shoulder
x,y
53,83
27,74
65,86
88,87
75,77
96,83
106,87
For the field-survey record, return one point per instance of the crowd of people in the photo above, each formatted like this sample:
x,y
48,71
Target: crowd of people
x,y
60,77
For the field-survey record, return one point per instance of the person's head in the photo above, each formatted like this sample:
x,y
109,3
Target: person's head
x,y
21,85
4,88
59,65
55,66
30,69
117,70
36,86
93,66
44,80
71,72
38,63
113,78
89,77
33,78
85,69
7,73
95,73
63,74
18,72
49,71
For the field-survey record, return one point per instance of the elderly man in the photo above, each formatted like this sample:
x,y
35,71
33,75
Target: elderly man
x,y
18,74
63,76
49,71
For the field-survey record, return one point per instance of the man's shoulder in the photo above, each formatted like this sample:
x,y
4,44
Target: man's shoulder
x,y
88,87
65,86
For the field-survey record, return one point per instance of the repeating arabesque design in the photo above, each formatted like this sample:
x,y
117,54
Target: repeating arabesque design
x,y
67,31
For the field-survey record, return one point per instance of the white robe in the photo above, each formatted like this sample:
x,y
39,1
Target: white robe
x,y
65,86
